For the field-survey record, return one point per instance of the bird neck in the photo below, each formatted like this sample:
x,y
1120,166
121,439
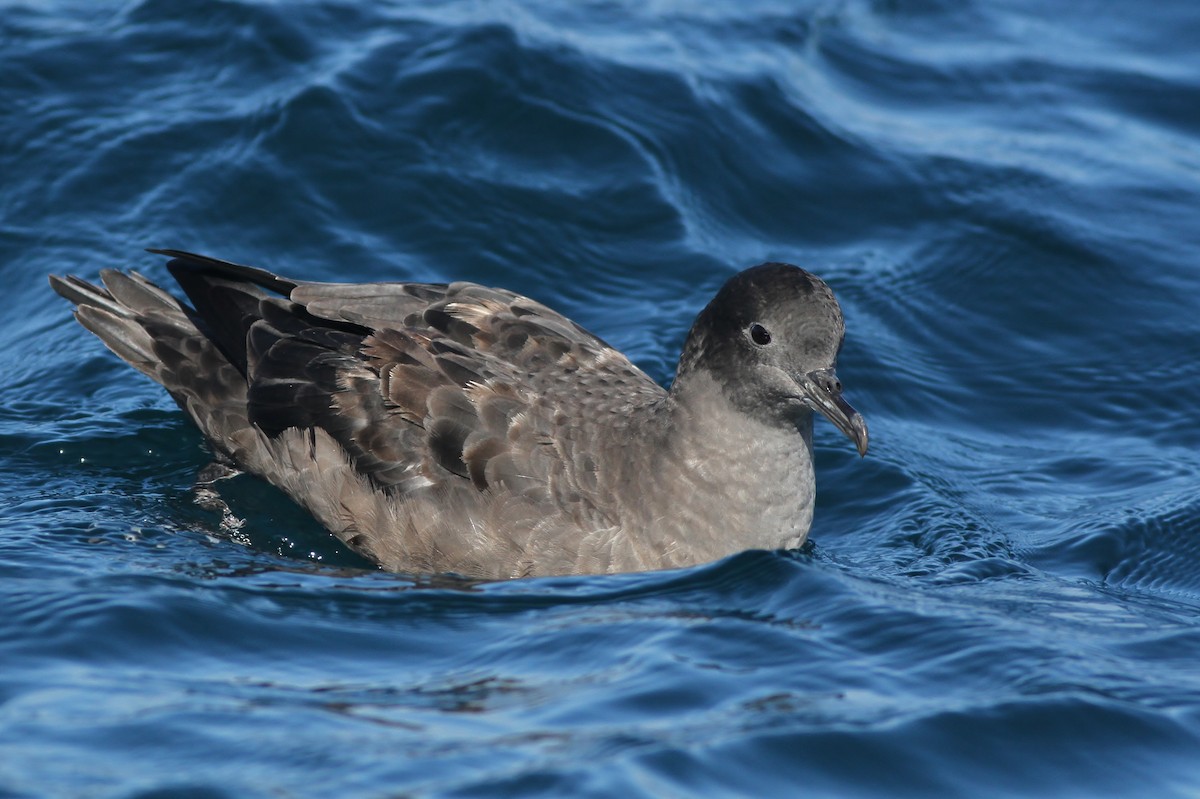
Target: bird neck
x,y
756,475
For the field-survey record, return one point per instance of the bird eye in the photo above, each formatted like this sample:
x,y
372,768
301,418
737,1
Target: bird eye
x,y
759,334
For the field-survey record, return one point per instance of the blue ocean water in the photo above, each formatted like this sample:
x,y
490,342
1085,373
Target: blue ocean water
x,y
1002,599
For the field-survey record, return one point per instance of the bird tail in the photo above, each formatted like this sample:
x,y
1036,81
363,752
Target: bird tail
x,y
120,312
159,336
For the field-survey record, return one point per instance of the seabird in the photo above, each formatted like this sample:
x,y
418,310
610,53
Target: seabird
x,y
458,428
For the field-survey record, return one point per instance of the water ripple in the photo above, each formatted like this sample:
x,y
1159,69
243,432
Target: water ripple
x,y
1003,593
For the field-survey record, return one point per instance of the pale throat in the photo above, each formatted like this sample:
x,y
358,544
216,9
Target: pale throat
x,y
755,475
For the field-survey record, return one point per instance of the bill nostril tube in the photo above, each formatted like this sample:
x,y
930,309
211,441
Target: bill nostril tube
x,y
827,379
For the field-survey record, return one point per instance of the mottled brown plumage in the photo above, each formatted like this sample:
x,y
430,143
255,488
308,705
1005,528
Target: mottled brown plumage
x,y
470,429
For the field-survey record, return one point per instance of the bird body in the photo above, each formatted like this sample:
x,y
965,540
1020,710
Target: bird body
x,y
458,428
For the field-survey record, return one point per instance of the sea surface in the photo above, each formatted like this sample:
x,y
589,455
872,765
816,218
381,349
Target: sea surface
x,y
1001,600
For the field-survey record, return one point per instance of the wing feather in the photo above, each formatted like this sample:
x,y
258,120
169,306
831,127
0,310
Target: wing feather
x,y
479,402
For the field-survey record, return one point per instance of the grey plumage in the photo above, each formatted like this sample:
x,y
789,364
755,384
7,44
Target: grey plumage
x,y
469,429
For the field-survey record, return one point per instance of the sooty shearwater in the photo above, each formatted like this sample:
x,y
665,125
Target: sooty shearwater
x,y
458,428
